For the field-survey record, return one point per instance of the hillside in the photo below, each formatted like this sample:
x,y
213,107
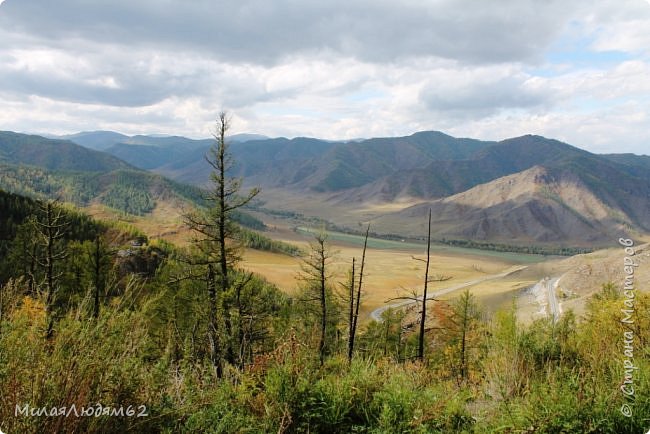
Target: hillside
x,y
97,140
355,164
44,168
301,163
261,162
425,165
54,154
323,166
446,177
129,191
540,205
150,152
573,197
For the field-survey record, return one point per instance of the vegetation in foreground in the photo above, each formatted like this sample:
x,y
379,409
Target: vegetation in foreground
x,y
101,317
149,347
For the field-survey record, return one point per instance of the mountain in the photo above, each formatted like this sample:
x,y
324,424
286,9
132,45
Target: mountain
x,y
54,154
527,189
149,152
97,140
143,152
47,168
353,164
146,156
492,160
638,164
129,191
278,161
539,205
246,137
324,166
300,163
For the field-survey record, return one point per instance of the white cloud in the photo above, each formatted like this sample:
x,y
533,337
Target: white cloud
x,y
330,69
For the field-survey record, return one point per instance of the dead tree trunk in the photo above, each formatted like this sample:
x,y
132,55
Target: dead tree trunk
x,y
323,307
423,315
351,311
357,300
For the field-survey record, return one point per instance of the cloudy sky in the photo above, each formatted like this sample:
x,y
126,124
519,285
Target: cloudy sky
x,y
577,70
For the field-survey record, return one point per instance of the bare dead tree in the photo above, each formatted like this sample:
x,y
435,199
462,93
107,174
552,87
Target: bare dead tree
x,y
356,300
423,314
351,310
213,326
425,295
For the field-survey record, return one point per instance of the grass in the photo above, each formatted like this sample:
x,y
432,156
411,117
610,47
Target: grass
x,y
390,272
378,243
393,272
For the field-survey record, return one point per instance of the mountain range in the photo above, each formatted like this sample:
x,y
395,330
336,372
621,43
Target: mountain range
x,y
519,190
39,167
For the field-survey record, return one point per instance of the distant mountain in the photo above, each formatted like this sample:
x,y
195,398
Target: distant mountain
x,y
246,137
143,152
637,163
54,154
326,166
492,160
537,205
168,142
97,140
526,189
354,164
265,162
147,156
149,152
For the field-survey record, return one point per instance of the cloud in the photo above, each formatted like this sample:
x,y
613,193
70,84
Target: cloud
x,y
575,70
263,32
482,92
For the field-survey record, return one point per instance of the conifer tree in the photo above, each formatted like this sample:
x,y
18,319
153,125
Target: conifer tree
x,y
217,240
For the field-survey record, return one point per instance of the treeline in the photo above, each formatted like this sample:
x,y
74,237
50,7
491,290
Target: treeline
x,y
532,249
74,187
249,221
16,213
128,191
470,244
257,241
128,199
26,237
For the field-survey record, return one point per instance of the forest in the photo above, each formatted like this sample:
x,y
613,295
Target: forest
x,y
94,315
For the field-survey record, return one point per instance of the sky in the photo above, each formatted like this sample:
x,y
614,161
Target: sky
x,y
577,71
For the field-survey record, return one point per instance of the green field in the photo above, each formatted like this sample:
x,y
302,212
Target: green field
x,y
378,243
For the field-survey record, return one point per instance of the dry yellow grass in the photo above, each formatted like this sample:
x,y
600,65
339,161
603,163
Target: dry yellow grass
x,y
165,221
388,274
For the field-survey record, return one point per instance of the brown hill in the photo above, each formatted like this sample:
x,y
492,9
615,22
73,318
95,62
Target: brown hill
x,y
537,205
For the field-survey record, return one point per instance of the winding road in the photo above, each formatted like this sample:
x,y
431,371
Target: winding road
x,y
376,314
554,306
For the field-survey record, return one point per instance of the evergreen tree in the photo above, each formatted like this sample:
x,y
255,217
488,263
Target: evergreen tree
x,y
218,242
